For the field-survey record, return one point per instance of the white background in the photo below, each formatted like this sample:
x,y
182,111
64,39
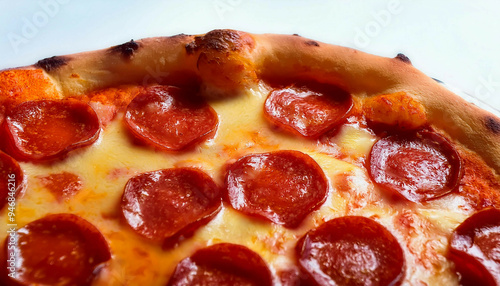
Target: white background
x,y
456,41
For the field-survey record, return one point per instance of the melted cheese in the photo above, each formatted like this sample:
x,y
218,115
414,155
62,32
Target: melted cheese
x,y
106,166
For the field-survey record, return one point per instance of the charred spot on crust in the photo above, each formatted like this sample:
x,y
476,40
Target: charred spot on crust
x,y
179,38
220,41
296,35
403,58
493,124
312,43
126,50
181,35
191,48
52,63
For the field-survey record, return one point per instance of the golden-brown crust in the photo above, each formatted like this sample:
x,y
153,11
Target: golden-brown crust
x,y
225,60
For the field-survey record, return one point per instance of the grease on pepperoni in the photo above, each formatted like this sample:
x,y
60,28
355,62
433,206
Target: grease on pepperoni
x,y
291,277
417,166
18,85
282,186
59,249
351,250
170,118
48,129
165,203
308,110
11,179
62,185
475,248
222,264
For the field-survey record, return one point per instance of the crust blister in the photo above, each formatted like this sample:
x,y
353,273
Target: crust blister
x,y
224,61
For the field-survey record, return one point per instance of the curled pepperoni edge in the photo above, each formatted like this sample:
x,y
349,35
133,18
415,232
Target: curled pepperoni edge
x,y
472,265
309,161
450,152
89,231
19,181
188,230
307,275
227,257
139,137
13,148
347,103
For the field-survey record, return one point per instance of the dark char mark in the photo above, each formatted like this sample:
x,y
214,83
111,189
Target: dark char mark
x,y
312,43
52,63
126,50
181,35
403,58
492,124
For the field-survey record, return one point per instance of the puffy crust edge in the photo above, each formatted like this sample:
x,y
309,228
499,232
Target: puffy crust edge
x,y
255,56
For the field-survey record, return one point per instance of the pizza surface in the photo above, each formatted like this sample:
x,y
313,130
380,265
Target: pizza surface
x,y
238,159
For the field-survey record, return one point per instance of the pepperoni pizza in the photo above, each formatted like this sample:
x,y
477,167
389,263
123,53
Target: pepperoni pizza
x,y
239,159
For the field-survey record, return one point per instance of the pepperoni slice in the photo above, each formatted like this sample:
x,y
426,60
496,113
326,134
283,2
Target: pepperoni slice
x,y
59,249
170,118
48,129
222,264
291,277
62,185
351,250
11,180
475,248
164,203
309,110
417,166
281,186
105,112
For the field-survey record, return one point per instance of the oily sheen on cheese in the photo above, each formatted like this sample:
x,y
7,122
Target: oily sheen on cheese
x,y
105,167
